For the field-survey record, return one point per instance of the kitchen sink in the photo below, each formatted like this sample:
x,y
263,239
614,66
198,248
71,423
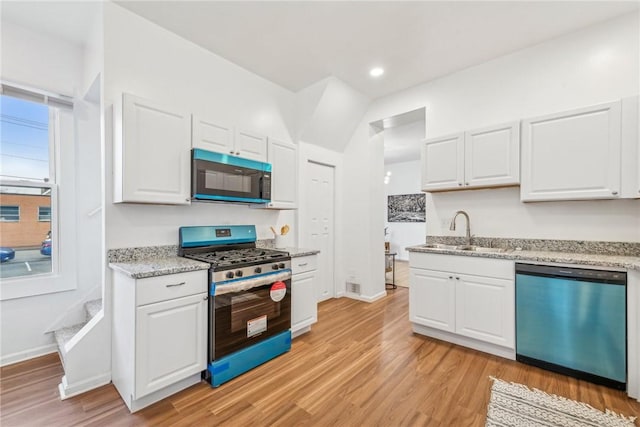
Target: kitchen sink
x,y
440,246
473,248
467,248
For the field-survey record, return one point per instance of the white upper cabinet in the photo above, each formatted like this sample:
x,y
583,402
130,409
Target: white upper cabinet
x,y
486,157
151,152
443,162
630,185
212,135
283,157
251,145
572,155
492,156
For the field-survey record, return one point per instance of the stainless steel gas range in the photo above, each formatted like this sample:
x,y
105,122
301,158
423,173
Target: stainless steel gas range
x,y
249,298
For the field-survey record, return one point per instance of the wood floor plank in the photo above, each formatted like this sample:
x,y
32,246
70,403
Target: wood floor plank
x,y
360,365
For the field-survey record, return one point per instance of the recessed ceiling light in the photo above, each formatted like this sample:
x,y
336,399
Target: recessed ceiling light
x,y
376,72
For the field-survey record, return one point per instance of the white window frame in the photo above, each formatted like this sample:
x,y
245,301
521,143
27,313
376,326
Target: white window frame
x,y
63,276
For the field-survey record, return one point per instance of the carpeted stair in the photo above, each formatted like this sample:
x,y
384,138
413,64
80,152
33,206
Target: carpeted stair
x,y
63,335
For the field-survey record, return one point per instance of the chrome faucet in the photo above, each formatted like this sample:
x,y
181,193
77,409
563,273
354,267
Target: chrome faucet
x,y
452,227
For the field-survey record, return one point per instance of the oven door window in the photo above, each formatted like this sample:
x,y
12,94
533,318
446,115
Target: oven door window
x,y
247,317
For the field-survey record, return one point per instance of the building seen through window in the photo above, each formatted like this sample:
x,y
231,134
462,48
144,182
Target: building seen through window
x,y
27,182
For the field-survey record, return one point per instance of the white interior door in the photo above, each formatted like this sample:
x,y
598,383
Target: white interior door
x,y
319,224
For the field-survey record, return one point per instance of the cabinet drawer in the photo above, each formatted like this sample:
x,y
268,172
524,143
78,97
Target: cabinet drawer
x,y
305,263
162,288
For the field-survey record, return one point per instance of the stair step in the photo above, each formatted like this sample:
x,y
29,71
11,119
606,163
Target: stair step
x,y
92,308
63,336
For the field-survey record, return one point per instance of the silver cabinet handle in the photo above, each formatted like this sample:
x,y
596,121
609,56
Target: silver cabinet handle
x,y
175,284
615,193
303,264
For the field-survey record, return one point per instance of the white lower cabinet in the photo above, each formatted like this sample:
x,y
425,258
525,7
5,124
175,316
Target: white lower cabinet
x,y
433,299
304,307
485,309
159,335
469,301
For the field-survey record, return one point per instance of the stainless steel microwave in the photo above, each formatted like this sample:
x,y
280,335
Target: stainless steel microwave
x,y
225,178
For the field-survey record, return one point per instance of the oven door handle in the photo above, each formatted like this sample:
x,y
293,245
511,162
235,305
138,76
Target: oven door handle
x,y
239,285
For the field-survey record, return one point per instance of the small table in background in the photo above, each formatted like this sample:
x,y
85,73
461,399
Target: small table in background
x,y
390,266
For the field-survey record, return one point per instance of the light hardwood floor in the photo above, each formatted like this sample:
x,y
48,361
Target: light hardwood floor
x,y
361,365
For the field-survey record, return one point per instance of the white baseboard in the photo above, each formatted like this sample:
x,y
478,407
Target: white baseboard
x,y
21,356
366,298
67,391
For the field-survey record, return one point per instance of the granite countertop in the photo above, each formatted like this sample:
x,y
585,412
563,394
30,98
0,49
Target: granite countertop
x,y
616,261
152,267
300,252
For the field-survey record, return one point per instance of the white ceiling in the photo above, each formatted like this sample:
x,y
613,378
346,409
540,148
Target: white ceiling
x,y
297,43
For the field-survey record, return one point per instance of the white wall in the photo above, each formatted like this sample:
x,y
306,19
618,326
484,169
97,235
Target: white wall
x,y
404,179
143,59
25,322
596,64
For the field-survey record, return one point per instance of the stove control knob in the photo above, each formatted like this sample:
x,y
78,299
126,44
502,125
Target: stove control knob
x,y
239,273
230,275
281,265
274,266
257,270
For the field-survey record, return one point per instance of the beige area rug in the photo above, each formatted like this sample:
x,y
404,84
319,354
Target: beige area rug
x,y
516,405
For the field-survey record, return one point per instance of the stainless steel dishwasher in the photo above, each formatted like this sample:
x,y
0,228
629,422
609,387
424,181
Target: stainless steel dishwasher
x,y
573,321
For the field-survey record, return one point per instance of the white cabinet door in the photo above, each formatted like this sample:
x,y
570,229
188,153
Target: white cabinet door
x,y
251,146
151,153
572,155
283,157
492,156
443,163
212,136
304,308
485,309
432,299
171,338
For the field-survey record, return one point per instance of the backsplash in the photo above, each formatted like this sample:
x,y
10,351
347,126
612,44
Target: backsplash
x,y
147,252
573,246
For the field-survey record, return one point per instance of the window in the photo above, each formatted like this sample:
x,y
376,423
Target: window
x,y
38,175
27,182
9,213
44,213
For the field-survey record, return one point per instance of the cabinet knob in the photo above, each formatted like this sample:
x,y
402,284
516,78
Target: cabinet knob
x,y
466,183
237,153
457,278
615,193
459,184
205,297
231,152
450,277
